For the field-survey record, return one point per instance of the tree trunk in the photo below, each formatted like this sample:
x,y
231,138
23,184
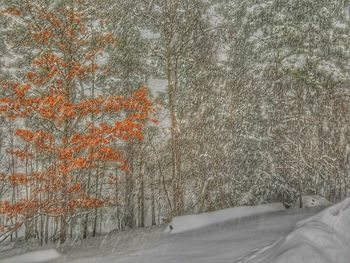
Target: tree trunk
x,y
129,191
94,228
153,202
178,191
141,199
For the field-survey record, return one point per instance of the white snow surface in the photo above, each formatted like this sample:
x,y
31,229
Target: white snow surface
x,y
189,222
322,238
33,257
261,234
313,201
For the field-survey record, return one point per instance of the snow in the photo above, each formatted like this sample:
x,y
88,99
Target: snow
x,y
252,8
6,247
237,235
313,201
189,222
322,238
219,243
296,61
157,85
149,34
341,25
259,33
330,68
33,257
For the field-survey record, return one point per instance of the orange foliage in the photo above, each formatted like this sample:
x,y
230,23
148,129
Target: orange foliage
x,y
12,10
21,154
25,134
18,179
68,141
74,188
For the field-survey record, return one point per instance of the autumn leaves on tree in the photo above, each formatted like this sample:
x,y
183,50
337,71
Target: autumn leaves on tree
x,y
69,134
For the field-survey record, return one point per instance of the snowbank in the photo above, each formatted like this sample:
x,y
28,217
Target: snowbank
x,y
7,246
313,201
322,238
33,257
189,222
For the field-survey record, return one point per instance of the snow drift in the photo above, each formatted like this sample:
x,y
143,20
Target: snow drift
x,y
33,257
189,222
313,201
322,238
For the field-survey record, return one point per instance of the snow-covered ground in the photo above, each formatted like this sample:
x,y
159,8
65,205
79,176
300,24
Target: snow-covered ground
x,y
238,237
190,222
322,238
34,257
313,201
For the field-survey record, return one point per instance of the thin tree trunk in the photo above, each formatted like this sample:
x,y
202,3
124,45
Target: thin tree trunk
x,y
129,191
94,228
117,203
141,199
178,191
153,205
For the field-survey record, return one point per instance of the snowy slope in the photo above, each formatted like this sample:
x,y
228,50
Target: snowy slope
x,y
189,222
33,257
220,243
313,201
323,238
229,240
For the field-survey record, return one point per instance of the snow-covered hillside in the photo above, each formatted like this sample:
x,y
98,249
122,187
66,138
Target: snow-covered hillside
x,y
34,257
243,234
313,201
186,223
322,238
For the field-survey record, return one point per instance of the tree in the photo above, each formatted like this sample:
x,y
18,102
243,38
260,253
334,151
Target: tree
x,y
72,134
288,54
181,48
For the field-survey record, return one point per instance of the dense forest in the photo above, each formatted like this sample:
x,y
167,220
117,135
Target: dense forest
x,y
122,114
